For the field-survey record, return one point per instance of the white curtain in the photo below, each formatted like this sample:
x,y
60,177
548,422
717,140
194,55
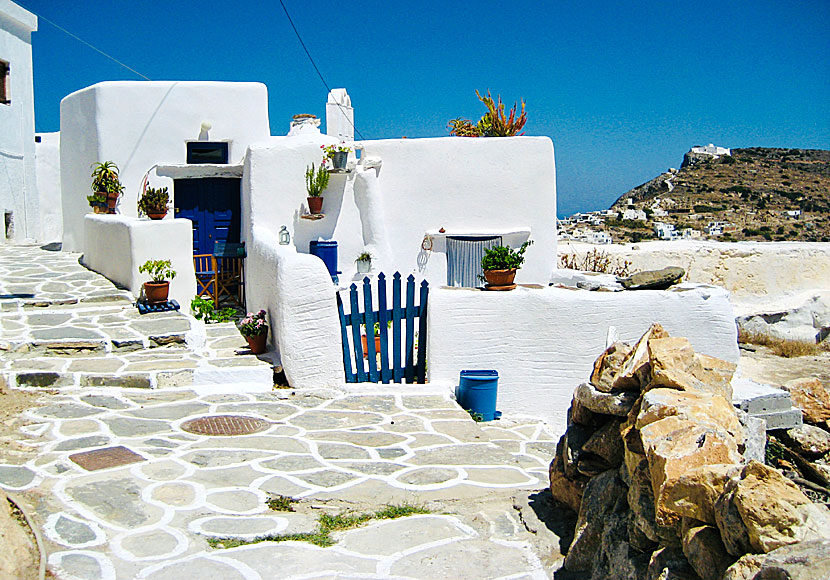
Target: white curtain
x,y
464,259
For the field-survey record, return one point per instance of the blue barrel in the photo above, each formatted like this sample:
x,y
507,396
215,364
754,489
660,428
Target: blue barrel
x,y
477,391
326,250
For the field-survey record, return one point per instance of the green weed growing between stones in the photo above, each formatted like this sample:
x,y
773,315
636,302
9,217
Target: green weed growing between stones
x,y
281,503
327,524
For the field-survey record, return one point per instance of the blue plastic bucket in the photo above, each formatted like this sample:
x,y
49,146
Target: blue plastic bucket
x,y
326,250
477,392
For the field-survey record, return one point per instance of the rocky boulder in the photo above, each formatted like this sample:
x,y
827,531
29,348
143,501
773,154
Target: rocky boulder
x,y
806,440
808,560
775,512
615,404
812,397
653,279
599,500
705,552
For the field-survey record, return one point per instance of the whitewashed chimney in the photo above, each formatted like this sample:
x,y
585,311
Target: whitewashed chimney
x,y
340,115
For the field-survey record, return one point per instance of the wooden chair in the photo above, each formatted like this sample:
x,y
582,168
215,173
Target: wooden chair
x,y
207,281
230,275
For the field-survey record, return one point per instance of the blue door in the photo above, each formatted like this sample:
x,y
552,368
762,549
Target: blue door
x,y
212,204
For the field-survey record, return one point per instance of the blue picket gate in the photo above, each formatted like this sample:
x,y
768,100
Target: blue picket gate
x,y
404,366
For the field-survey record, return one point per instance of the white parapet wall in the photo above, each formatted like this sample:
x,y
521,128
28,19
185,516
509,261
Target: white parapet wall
x,y
139,124
543,342
295,290
405,189
115,246
760,276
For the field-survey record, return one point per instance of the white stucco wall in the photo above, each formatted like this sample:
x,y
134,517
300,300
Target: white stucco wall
x,y
543,342
48,169
466,186
18,187
141,124
117,245
296,291
760,276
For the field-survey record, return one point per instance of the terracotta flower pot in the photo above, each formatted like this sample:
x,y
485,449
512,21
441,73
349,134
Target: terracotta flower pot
x,y
315,204
157,215
366,345
258,343
99,209
112,201
500,277
156,293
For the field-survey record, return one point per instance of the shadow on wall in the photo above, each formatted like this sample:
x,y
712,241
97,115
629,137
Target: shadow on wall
x,y
306,231
147,125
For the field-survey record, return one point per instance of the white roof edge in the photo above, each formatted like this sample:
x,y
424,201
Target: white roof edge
x,y
17,14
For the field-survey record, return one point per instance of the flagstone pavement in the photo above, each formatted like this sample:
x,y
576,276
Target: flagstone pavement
x,y
123,486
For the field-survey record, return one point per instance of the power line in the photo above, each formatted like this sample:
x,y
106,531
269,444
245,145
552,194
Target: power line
x,y
98,50
319,74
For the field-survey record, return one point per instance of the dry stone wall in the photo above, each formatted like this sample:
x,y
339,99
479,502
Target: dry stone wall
x,y
662,471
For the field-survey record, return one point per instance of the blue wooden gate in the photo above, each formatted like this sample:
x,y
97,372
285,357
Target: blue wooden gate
x,y
403,349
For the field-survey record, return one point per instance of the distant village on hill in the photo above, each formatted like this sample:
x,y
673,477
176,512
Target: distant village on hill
x,y
761,194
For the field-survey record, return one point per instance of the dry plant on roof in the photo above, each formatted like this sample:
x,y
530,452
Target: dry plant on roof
x,y
596,261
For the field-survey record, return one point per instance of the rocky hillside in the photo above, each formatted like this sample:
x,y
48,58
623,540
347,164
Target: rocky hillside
x,y
756,192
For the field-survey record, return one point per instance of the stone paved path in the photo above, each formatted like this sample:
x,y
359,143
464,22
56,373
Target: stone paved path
x,y
163,492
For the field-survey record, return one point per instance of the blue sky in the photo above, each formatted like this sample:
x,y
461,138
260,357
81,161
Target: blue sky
x,y
622,88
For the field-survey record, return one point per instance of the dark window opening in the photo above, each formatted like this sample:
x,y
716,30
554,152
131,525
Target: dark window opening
x,y
8,220
37,138
207,152
5,85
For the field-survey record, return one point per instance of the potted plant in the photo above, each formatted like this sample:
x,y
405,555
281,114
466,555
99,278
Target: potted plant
x,y
160,272
105,182
500,265
153,202
377,339
316,181
338,154
98,202
364,262
255,330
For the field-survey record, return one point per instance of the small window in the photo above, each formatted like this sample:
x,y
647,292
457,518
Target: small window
x,y
207,152
464,254
5,85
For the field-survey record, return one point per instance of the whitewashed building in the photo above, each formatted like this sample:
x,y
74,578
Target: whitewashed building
x,y
665,231
712,150
19,203
634,214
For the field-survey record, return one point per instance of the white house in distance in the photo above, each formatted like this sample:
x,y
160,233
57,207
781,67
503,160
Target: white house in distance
x,y
711,149
19,203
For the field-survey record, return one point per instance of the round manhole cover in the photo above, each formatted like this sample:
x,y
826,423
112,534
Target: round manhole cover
x,y
224,425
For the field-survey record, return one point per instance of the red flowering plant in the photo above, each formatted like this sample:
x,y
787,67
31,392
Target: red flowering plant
x,y
253,324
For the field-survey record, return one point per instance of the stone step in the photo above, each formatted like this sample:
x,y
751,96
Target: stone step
x,y
765,402
781,419
770,403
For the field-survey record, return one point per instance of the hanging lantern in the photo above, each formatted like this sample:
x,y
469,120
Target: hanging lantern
x,y
285,237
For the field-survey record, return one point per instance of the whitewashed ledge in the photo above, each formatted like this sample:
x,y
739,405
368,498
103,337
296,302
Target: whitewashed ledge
x,y
116,245
198,170
543,341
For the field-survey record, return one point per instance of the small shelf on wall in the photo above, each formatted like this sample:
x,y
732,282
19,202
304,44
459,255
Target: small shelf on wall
x,y
344,171
313,216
